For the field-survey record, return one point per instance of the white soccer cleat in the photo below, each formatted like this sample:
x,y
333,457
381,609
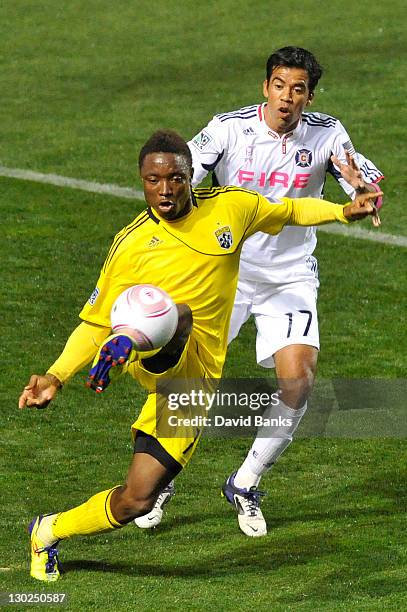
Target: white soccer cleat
x,y
153,518
247,504
44,559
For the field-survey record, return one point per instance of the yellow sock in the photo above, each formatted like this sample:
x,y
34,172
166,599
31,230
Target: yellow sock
x,y
92,517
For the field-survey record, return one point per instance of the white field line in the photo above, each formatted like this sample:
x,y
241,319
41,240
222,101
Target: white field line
x,y
353,231
64,181
126,192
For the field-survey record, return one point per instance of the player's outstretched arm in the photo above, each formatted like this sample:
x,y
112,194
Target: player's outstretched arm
x,y
40,391
362,206
271,217
313,211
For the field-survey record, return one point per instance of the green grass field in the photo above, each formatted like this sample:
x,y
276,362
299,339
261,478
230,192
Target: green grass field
x,y
84,84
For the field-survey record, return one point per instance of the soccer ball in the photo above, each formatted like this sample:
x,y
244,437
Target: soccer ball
x,y
147,314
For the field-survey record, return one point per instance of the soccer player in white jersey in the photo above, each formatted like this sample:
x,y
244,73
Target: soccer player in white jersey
x,y
278,150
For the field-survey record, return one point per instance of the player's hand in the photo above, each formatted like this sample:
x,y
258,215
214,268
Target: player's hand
x,y
363,206
40,391
350,171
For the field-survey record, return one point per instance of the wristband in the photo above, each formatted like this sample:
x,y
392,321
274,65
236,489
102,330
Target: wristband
x,y
379,200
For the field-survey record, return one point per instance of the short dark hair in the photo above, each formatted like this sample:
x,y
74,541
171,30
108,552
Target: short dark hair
x,y
295,57
165,141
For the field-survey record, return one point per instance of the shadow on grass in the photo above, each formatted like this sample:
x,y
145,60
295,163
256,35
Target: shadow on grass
x,y
272,552
265,555
359,568
247,558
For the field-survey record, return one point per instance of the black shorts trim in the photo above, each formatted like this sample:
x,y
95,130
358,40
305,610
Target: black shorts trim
x,y
145,443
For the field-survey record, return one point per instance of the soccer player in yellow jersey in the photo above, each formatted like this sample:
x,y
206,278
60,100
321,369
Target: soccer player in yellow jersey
x,y
187,242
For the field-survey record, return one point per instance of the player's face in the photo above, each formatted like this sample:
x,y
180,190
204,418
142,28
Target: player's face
x,y
167,184
287,94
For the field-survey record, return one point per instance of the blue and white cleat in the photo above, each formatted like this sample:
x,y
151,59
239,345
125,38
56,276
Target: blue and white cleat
x,y
116,351
247,505
44,559
154,517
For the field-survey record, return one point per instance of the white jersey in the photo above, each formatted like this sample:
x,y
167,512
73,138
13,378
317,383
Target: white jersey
x,y
242,150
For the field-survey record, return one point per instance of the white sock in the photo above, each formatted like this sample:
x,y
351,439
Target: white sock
x,y
269,444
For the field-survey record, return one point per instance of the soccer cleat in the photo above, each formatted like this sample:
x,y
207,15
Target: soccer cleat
x,y
247,505
153,518
44,559
115,352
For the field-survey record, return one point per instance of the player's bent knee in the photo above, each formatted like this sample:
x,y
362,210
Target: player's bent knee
x,y
185,321
184,328
171,352
128,505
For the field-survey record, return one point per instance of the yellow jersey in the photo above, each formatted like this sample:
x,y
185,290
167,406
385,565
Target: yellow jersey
x,y
196,258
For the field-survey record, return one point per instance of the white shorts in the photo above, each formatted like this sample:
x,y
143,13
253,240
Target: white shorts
x,y
284,315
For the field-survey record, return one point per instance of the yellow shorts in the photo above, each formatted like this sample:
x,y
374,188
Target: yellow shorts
x,y
174,428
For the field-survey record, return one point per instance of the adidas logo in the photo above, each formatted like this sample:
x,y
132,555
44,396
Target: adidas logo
x,y
248,131
154,242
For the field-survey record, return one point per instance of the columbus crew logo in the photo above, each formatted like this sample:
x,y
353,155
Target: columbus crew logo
x,y
224,237
303,158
